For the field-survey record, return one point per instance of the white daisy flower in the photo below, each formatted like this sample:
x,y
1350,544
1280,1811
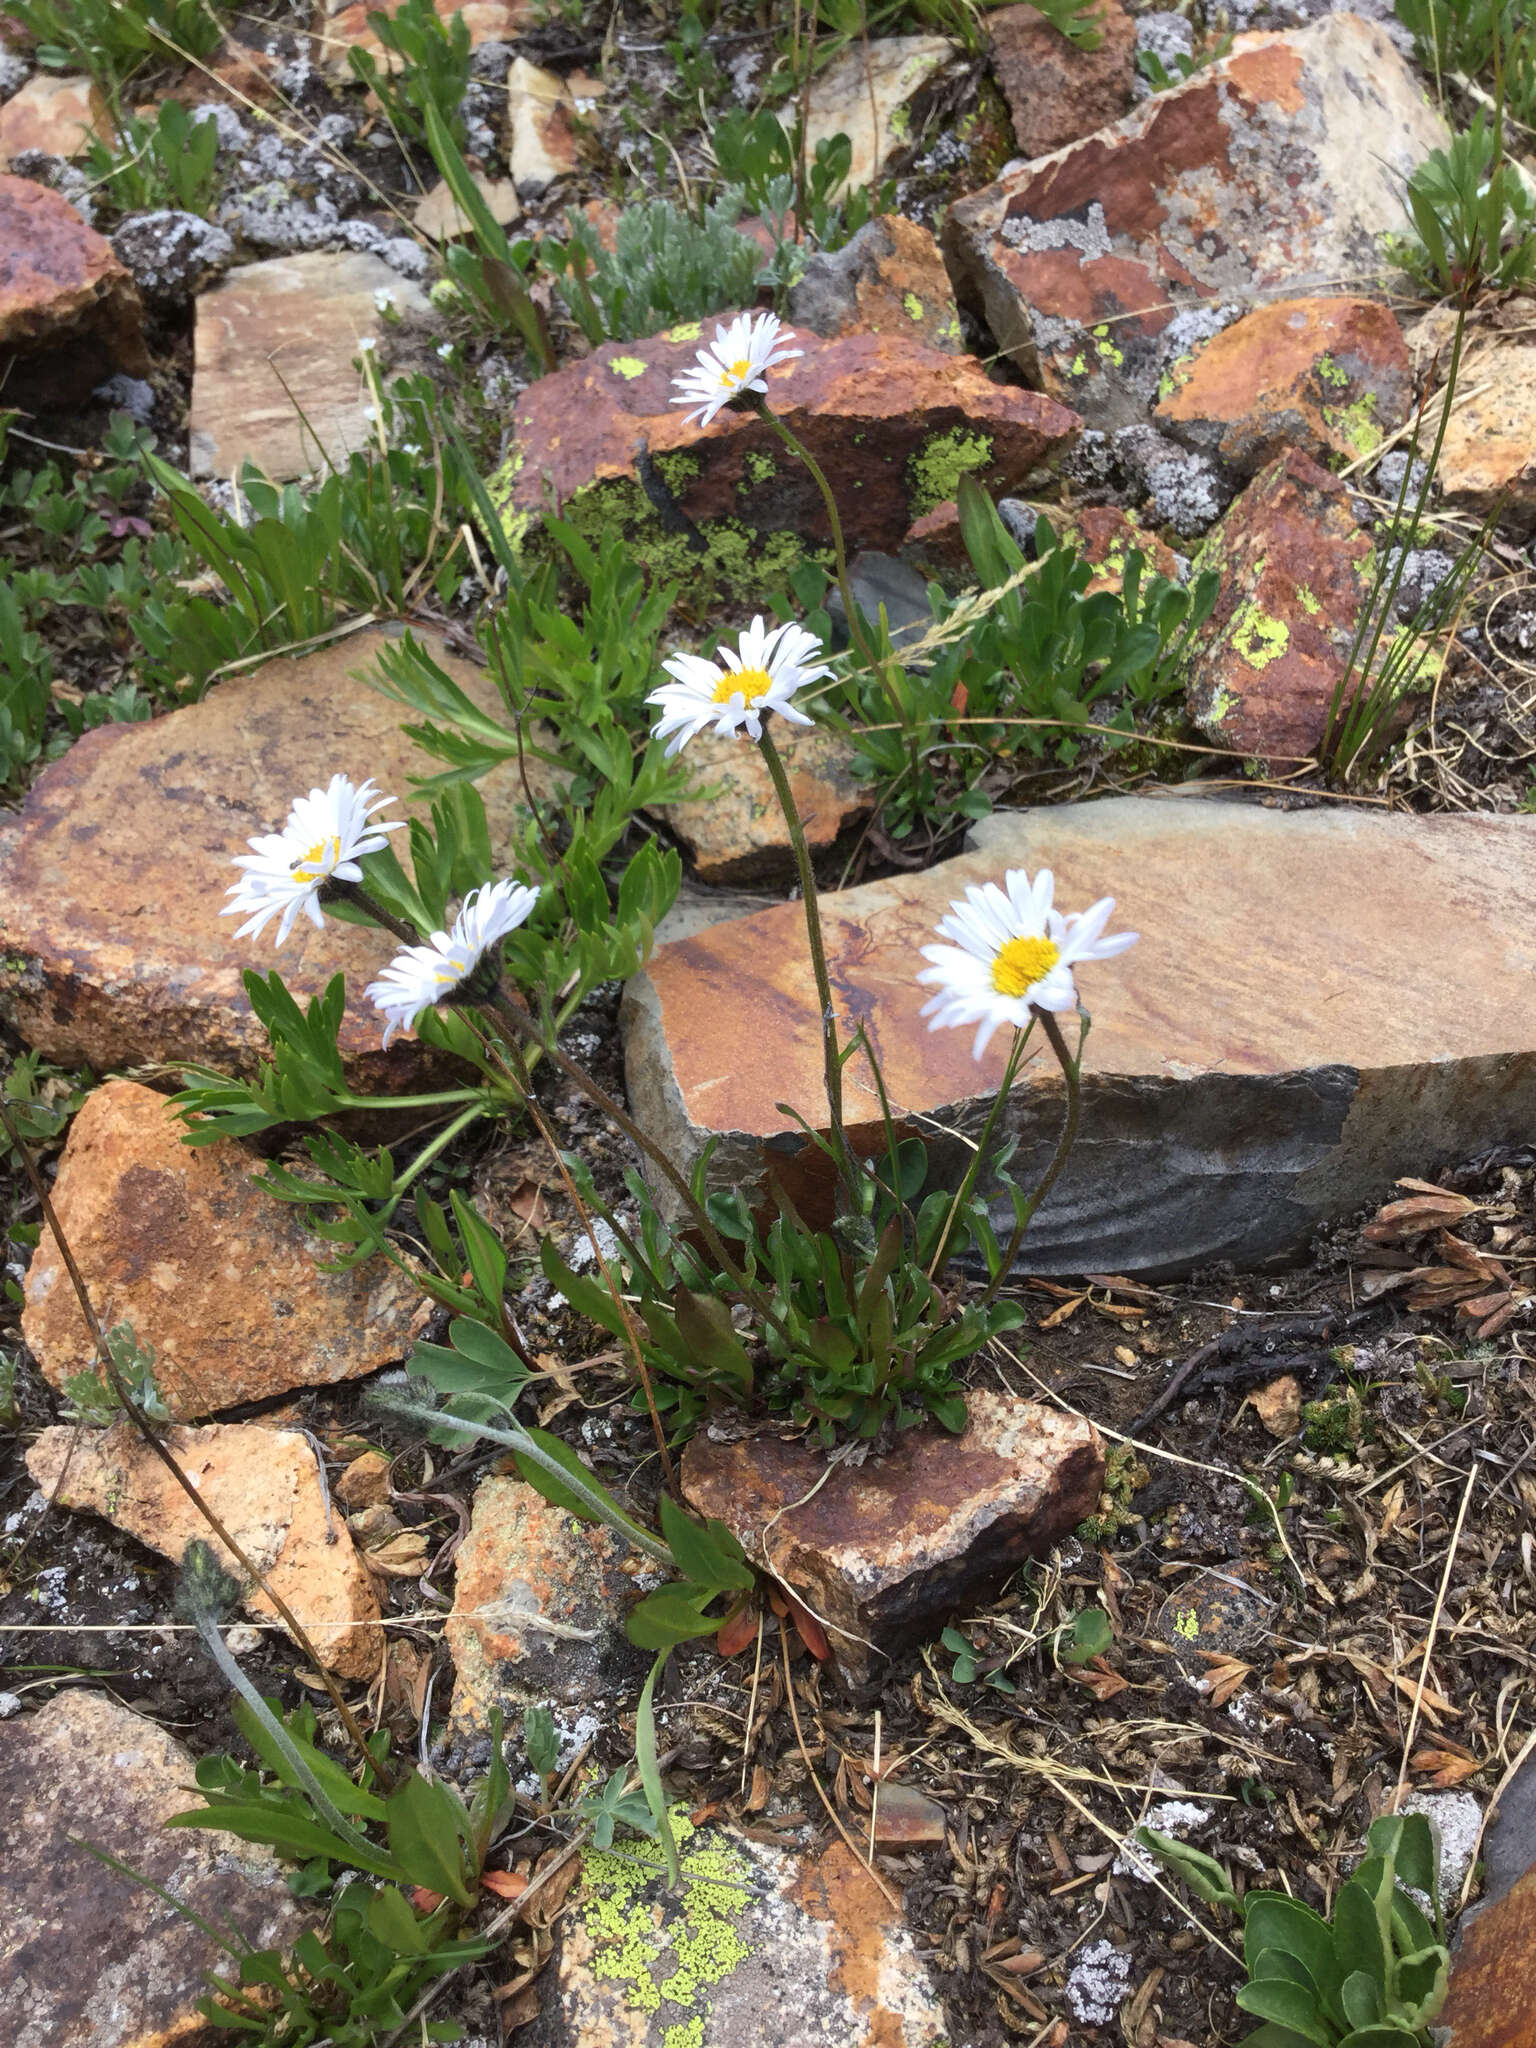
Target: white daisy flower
x,y
326,835
420,977
1012,953
762,673
734,362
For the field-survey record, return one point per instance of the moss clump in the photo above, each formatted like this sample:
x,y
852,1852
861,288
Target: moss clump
x,y
1124,1474
678,469
936,468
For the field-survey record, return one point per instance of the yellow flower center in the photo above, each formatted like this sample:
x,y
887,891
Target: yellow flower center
x,y
319,860
1021,963
738,370
752,683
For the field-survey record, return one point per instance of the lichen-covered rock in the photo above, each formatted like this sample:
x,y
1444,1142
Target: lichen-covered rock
x,y
1488,2004
885,1552
541,142
1276,1055
218,1279
1277,167
866,94
69,315
276,381
889,278
264,1486
734,830
59,116
756,1950
1296,574
1327,376
88,1957
112,875
893,423
539,1604
172,255
1056,90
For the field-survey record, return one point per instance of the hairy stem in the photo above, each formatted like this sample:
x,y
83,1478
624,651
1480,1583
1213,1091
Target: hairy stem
x,y
1072,1068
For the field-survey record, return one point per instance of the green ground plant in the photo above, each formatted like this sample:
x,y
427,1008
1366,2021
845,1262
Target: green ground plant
x,y
427,61
111,39
170,161
666,266
1473,214
1479,38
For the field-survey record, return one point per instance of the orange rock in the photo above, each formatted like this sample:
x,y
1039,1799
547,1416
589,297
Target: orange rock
x,y
60,116
889,278
884,1552
1489,2003
538,1608
1489,455
1295,577
114,947
365,1482
1328,376
220,1280
69,314
1057,92
1278,1406
736,833
264,1486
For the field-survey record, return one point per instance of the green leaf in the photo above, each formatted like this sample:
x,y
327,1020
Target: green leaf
x,y
1091,1636
646,1761
1360,1998
1275,1998
709,1554
1421,1984
672,1614
425,1820
391,1921
587,1497
1360,1932
589,1298
1273,1921
708,1335
1382,2035
1408,1841
283,1828
1203,1874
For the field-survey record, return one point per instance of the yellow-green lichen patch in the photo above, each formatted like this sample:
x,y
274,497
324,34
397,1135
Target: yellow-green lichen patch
x,y
1332,372
937,467
912,306
690,330
716,555
663,1953
1356,425
678,469
759,466
1307,601
627,366
1108,353
1078,367
1257,637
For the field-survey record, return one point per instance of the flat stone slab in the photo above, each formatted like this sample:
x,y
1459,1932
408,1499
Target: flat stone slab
x,y
884,1553
1320,1001
1277,167
61,116
758,1949
1488,2004
894,424
1489,456
113,873
275,381
218,1279
264,1485
88,1958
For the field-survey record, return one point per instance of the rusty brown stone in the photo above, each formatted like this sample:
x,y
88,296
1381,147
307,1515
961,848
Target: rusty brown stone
x,y
61,116
539,1602
1269,1031
264,1485
1489,2003
905,1818
883,1553
889,278
1105,534
1056,91
735,831
892,423
276,346
365,1482
220,1280
112,949
1328,376
1278,1405
776,1949
88,1957
1296,574
69,314
1276,167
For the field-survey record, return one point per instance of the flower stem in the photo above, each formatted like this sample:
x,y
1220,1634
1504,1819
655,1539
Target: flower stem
x,y
831,1059
440,1143
1071,1065
978,1157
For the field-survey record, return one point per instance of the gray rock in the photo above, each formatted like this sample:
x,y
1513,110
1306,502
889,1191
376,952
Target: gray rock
x,y
1424,570
172,255
1020,518
130,395
877,580
1188,492
1509,1846
1270,1055
1388,480
232,131
14,73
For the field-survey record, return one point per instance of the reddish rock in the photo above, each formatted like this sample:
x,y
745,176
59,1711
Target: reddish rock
x,y
756,1946
264,1485
1327,376
905,1819
1275,168
889,278
220,1280
1296,575
60,116
735,831
1489,2003
1267,1056
90,1958
69,314
1057,92
893,423
112,949
883,1553
539,1601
